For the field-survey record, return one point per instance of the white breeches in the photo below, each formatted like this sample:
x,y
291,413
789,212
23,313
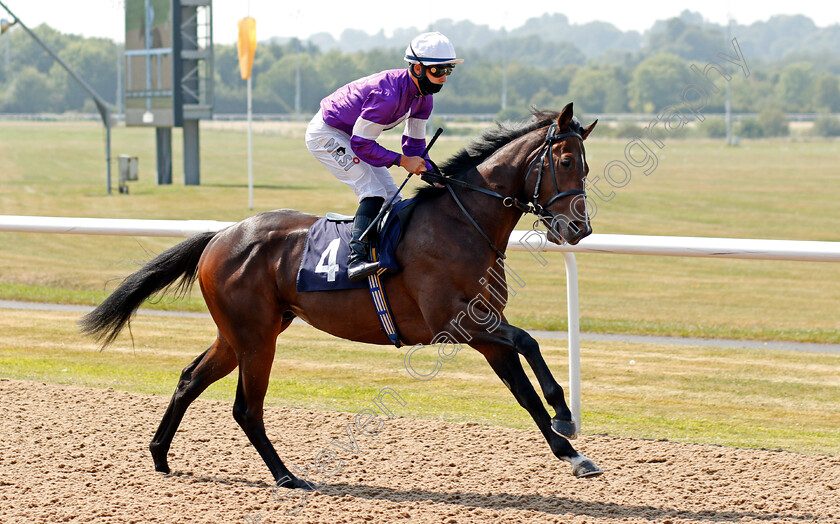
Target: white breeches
x,y
332,148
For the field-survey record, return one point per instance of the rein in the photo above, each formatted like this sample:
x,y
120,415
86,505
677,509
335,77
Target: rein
x,y
531,206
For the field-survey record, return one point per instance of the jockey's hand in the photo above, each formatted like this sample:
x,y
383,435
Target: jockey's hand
x,y
413,164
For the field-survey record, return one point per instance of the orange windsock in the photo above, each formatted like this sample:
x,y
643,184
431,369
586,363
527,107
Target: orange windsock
x,y
247,46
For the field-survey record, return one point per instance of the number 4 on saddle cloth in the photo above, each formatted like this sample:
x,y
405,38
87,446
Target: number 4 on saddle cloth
x,y
323,266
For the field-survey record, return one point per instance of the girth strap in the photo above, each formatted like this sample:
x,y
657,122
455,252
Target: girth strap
x,y
383,308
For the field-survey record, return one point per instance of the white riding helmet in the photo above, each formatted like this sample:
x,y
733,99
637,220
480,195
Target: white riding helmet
x,y
431,49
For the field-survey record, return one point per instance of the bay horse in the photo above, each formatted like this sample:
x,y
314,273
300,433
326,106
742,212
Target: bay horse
x,y
459,229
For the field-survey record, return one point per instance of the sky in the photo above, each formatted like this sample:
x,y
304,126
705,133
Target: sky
x,y
105,18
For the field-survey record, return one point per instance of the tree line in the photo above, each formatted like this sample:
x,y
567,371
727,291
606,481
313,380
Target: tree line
x,y
517,72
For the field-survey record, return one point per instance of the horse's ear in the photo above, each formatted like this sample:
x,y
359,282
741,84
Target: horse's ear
x,y
566,115
588,129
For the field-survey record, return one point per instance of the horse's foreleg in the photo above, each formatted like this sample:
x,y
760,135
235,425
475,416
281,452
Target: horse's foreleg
x,y
507,366
562,423
216,362
524,344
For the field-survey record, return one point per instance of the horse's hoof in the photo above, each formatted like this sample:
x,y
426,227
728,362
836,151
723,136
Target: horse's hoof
x,y
586,468
564,428
159,457
290,482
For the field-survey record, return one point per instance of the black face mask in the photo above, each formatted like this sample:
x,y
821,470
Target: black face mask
x,y
427,87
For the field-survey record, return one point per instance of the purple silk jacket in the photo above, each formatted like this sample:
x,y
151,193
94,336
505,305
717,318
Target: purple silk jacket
x,y
366,107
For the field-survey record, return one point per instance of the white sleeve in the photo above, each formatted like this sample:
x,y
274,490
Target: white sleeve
x,y
415,128
367,129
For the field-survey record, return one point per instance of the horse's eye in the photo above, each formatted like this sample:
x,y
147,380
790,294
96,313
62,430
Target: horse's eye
x,y
566,162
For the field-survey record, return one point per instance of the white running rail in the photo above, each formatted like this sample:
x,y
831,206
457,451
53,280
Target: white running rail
x,y
531,241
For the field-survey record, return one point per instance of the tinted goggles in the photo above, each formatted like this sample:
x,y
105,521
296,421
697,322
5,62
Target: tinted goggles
x,y
438,71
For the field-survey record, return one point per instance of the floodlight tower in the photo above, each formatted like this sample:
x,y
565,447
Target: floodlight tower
x,y
169,75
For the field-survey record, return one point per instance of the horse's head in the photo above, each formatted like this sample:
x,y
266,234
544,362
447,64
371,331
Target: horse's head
x,y
560,168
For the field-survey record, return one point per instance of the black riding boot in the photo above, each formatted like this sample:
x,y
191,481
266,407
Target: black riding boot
x,y
360,266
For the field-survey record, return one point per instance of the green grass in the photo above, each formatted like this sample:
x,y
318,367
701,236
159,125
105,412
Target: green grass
x,y
748,398
762,189
743,398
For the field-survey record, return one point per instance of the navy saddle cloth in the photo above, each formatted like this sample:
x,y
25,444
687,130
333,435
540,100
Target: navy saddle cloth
x,y
324,263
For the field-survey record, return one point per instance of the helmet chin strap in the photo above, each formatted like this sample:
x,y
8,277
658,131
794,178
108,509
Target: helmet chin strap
x,y
416,75
422,65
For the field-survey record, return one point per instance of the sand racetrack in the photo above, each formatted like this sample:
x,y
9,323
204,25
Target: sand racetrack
x,y
74,454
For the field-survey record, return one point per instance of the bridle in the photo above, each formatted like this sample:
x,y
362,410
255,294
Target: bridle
x,y
546,150
531,206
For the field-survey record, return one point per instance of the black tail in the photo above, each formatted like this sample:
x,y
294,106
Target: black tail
x,y
180,261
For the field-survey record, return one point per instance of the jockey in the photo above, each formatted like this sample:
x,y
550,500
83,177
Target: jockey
x,y
343,134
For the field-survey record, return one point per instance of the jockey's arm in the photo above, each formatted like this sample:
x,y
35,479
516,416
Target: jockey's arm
x,y
414,139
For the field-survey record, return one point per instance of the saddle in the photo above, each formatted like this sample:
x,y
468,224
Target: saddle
x,y
324,263
323,266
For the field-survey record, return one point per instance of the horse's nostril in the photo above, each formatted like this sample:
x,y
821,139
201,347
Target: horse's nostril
x,y
577,231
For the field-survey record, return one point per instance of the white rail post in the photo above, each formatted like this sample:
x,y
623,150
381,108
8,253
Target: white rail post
x,y
574,336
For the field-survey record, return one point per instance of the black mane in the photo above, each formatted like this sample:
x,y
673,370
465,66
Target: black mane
x,y
488,143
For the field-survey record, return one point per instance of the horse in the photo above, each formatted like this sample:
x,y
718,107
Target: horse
x,y
458,230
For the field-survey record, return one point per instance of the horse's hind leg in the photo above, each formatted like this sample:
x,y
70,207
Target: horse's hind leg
x,y
256,354
216,362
